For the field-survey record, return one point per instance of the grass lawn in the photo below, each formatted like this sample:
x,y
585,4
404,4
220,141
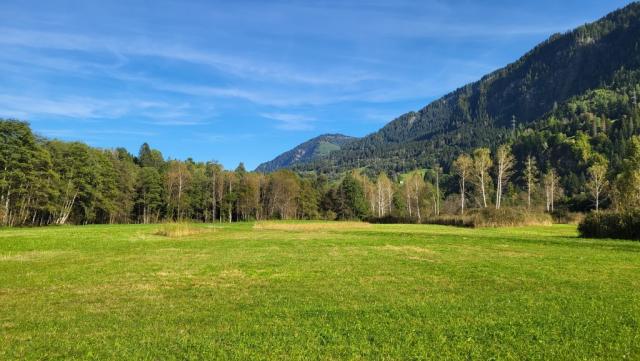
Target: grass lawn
x,y
317,291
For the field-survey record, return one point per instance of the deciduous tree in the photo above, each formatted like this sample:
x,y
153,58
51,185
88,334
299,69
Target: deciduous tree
x,y
530,176
481,165
504,164
463,166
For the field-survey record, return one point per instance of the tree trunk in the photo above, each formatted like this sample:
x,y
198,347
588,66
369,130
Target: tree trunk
x,y
437,193
409,201
528,194
499,187
179,194
484,194
418,202
462,186
230,203
213,198
6,208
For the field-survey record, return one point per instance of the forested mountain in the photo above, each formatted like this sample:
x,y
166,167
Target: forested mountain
x,y
308,151
601,55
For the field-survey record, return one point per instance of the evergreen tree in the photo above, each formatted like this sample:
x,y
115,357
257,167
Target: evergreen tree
x,y
352,201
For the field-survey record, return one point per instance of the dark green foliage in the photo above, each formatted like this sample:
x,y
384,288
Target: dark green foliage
x,y
149,193
563,216
309,199
27,182
350,202
623,225
390,219
148,157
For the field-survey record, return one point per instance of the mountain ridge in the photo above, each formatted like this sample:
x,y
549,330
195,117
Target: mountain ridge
x,y
313,148
487,111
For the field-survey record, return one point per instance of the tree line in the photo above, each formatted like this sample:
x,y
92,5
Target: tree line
x,y
45,182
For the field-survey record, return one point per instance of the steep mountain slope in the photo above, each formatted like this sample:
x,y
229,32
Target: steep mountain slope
x,y
306,152
487,112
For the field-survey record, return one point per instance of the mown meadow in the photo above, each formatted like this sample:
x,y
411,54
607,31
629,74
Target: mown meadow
x,y
313,290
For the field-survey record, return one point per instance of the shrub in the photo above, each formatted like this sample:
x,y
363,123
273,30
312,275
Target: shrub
x,y
390,220
453,220
623,225
487,217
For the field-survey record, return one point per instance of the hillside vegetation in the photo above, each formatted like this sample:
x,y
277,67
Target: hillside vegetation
x,y
306,152
602,55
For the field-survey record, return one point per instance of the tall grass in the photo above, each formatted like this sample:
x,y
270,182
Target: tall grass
x,y
489,217
178,230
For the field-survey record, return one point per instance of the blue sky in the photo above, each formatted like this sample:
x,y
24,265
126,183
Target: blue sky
x,y
245,80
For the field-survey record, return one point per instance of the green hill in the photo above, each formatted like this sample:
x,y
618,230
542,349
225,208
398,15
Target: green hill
x,y
306,152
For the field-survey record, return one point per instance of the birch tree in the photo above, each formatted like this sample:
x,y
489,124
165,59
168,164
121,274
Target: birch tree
x,y
231,196
530,176
481,165
551,189
369,189
284,188
178,180
414,188
384,189
597,181
214,170
436,194
463,167
504,165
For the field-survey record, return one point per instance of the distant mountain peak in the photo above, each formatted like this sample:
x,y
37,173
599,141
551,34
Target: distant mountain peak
x,y
312,149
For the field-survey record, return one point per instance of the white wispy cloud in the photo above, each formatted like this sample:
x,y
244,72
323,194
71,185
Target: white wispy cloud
x,y
76,133
234,65
287,121
72,107
89,108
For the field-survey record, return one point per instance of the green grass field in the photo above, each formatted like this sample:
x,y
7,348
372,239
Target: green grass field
x,y
317,291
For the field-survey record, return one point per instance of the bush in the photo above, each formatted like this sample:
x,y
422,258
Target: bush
x,y
487,217
490,217
391,220
452,220
623,225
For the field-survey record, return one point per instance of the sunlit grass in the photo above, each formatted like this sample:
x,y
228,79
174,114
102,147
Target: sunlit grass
x,y
317,290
